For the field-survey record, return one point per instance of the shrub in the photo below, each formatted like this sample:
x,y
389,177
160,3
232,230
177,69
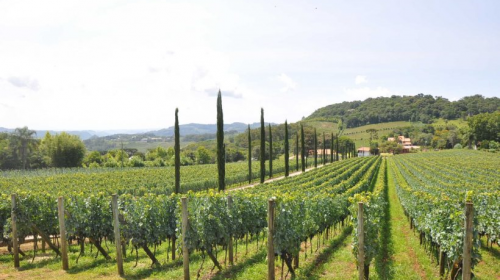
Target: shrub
x,y
494,145
136,161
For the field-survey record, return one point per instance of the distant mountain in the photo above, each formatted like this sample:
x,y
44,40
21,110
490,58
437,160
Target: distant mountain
x,y
83,134
196,129
185,129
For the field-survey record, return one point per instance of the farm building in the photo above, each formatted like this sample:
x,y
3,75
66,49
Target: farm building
x,y
405,142
363,151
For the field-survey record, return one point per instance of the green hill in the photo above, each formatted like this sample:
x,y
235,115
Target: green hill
x,y
418,108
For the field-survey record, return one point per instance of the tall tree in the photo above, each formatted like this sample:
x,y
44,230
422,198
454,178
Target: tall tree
x,y
25,142
324,149
331,149
297,152
177,150
303,148
249,156
337,148
262,147
270,152
221,161
64,150
315,149
286,149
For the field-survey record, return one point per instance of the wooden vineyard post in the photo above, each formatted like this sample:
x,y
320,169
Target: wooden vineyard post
x,y
442,260
43,246
185,252
118,241
230,245
14,232
62,233
361,242
270,242
467,255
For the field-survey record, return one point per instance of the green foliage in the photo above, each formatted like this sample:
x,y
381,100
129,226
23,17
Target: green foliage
x,y
136,161
433,187
262,157
485,126
423,108
65,150
93,158
302,149
177,151
203,155
221,156
392,147
270,152
287,148
374,205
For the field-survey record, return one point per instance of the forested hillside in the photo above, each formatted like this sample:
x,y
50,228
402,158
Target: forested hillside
x,y
423,108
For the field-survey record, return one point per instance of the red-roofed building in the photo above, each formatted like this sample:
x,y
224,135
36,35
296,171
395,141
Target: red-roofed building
x,y
363,151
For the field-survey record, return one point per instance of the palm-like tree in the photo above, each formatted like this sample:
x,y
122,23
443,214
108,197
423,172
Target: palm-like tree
x,y
25,142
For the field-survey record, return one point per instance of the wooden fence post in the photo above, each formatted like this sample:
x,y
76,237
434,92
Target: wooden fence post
x,y
14,232
467,255
230,245
361,242
118,238
62,233
185,251
270,242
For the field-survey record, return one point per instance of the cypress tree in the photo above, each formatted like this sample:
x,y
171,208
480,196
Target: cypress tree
x,y
303,148
337,148
331,149
297,152
315,149
324,149
270,152
221,161
249,156
177,151
262,147
286,150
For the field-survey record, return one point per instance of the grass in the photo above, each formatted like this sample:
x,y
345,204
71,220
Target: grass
x,y
48,266
407,259
442,123
489,266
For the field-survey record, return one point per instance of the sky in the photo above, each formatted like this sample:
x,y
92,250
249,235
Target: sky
x,y
74,65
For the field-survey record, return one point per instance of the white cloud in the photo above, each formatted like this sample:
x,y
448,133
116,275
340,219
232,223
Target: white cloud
x,y
288,83
362,93
360,80
24,82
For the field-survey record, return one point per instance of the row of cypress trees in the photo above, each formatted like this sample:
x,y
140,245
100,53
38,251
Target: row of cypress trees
x,y
348,149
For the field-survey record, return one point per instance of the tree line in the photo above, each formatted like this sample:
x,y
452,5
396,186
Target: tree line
x,y
418,108
21,150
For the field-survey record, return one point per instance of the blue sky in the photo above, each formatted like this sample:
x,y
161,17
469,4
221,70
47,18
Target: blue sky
x,y
128,64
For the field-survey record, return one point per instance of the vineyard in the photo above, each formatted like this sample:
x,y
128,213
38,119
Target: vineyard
x,y
296,219
434,188
136,181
